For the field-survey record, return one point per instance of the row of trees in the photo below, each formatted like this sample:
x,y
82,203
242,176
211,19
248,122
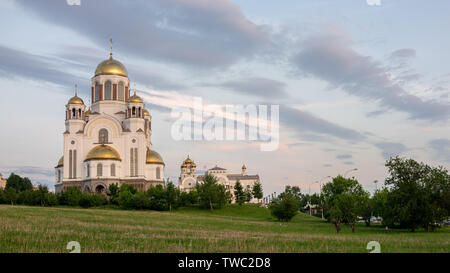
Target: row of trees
x,y
415,195
209,195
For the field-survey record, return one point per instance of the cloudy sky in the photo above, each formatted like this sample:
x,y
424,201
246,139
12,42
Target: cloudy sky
x,y
356,83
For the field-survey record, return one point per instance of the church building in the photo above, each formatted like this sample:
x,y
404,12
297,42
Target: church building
x,y
109,142
188,178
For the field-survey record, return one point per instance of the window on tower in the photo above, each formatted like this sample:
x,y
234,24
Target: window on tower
x,y
113,169
103,136
121,91
99,169
158,173
108,90
97,92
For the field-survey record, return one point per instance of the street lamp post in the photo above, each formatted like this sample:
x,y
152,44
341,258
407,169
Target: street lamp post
x,y
355,169
320,194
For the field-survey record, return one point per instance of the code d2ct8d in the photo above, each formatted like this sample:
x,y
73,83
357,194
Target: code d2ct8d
x,y
246,262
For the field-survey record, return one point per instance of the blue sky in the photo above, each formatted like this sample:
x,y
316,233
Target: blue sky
x,y
355,83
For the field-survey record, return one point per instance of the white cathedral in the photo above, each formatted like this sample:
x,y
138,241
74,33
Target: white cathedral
x,y
189,179
111,141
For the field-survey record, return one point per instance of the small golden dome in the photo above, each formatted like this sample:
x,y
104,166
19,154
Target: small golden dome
x,y
60,162
75,100
183,166
244,167
111,67
88,112
153,157
102,152
136,99
146,113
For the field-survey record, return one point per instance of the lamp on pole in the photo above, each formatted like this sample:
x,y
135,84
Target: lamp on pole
x,y
310,196
320,194
351,170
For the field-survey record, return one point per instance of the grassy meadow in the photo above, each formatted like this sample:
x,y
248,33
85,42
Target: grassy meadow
x,y
231,229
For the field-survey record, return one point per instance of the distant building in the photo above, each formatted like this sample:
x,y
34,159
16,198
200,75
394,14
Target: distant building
x,y
188,178
2,182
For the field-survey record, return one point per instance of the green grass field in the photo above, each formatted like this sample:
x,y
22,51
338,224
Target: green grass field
x,y
231,229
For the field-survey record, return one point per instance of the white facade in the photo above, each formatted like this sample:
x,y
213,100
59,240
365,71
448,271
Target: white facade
x,y
111,142
188,178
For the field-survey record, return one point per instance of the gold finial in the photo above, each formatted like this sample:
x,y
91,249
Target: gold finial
x,y
135,89
110,47
76,92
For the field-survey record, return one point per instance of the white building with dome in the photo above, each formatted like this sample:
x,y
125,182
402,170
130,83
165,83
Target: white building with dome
x,y
188,178
111,141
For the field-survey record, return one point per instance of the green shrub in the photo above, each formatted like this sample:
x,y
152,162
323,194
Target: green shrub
x,y
285,208
141,201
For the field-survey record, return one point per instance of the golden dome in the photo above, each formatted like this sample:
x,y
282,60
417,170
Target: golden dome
x,y
244,167
153,157
111,67
60,162
146,113
102,152
75,100
88,112
135,98
183,165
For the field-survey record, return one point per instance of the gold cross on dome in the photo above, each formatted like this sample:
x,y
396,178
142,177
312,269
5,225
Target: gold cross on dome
x,y
110,47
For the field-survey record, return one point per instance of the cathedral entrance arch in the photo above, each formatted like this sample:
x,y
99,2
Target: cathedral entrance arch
x,y
100,189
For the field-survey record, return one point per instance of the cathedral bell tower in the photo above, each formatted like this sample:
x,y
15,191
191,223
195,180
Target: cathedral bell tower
x,y
75,114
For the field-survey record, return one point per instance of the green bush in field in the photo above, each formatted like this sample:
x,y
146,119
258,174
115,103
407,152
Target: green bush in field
x,y
92,200
11,196
188,199
3,197
126,200
51,199
113,194
71,196
158,198
141,201
284,208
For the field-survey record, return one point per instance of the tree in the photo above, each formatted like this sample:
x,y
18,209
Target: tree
x,y
158,198
418,194
366,209
18,183
211,194
141,200
71,196
294,191
284,208
248,194
113,194
239,194
257,191
126,200
343,198
188,198
11,195
173,195
42,192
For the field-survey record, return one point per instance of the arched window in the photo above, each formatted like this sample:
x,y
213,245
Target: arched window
x,y
103,136
121,91
113,169
59,175
158,173
73,112
133,112
108,90
139,112
88,170
99,169
79,113
97,93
